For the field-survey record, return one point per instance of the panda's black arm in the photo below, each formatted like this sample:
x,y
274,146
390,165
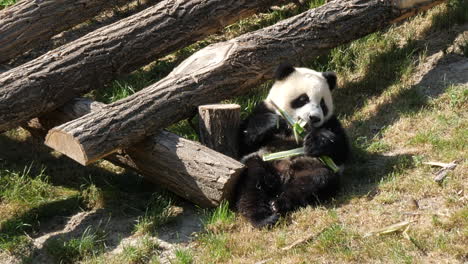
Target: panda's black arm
x,y
329,140
258,127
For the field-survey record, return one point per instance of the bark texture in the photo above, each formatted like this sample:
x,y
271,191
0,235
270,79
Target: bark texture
x,y
223,70
26,24
219,124
94,59
187,168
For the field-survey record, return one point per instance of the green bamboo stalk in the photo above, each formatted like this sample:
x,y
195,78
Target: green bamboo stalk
x,y
299,131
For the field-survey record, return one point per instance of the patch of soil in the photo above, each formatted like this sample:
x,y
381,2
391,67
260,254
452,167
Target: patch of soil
x,y
65,229
118,230
447,66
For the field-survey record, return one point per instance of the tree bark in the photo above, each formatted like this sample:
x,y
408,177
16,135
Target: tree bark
x,y
187,168
26,24
219,124
95,59
220,71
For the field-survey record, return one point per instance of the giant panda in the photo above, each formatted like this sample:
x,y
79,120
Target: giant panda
x,y
268,190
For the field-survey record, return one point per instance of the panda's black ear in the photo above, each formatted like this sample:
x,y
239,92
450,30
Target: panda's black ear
x,y
284,70
331,79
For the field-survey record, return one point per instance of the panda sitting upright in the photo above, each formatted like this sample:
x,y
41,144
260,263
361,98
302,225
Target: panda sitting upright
x,y
268,190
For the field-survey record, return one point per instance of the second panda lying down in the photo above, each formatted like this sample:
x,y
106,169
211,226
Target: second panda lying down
x,y
270,189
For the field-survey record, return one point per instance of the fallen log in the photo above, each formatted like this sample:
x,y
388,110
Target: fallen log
x,y
189,169
26,24
93,60
218,125
220,71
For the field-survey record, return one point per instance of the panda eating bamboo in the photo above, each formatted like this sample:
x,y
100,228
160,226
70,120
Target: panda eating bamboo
x,y
269,189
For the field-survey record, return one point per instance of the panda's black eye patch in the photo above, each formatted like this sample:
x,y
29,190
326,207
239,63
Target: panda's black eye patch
x,y
300,101
324,107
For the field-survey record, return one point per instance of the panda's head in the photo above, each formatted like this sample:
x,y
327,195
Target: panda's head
x,y
303,93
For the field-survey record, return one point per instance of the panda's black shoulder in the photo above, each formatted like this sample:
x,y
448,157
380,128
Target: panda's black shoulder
x,y
262,108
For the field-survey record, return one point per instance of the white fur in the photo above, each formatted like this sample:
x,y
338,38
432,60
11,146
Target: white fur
x,y
303,80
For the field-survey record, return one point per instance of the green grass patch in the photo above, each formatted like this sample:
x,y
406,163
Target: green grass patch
x,y
5,3
217,223
335,240
13,230
183,256
220,219
30,199
145,252
458,96
23,188
216,246
93,197
398,252
185,129
158,213
91,243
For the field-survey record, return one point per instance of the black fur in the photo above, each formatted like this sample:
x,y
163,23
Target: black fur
x,y
331,79
283,71
328,140
268,190
300,101
262,126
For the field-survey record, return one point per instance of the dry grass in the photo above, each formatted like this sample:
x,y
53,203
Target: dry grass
x,y
398,112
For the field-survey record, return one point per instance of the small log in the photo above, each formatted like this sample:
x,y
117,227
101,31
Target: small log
x,y
218,72
26,24
49,81
218,125
187,168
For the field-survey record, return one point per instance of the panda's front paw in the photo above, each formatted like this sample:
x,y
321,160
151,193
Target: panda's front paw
x,y
317,143
252,158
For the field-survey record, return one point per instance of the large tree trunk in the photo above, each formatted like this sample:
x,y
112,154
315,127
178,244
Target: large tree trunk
x,y
28,23
189,169
220,71
47,82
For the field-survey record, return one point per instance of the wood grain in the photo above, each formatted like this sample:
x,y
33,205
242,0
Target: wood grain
x,y
26,24
219,126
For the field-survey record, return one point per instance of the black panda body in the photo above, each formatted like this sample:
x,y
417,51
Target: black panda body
x,y
270,189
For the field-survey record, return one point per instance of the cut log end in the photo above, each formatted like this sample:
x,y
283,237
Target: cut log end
x,y
229,107
66,144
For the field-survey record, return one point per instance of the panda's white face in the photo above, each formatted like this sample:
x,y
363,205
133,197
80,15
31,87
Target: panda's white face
x,y
304,94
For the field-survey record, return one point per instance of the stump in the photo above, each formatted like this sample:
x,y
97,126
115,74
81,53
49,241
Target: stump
x,y
218,126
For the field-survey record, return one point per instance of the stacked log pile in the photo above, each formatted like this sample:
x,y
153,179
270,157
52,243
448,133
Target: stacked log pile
x,y
129,131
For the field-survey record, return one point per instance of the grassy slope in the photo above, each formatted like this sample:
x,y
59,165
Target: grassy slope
x,y
386,115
